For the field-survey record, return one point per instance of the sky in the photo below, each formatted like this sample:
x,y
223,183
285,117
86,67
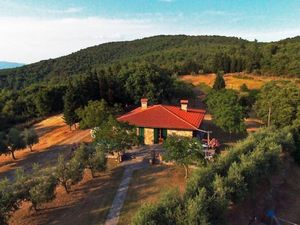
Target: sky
x,y
34,30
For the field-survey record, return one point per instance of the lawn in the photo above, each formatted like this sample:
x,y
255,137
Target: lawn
x,y
147,185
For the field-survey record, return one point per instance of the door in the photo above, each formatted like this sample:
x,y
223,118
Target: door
x,y
156,136
142,134
164,133
159,135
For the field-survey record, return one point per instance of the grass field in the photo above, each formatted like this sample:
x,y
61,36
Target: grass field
x,y
235,80
55,138
147,185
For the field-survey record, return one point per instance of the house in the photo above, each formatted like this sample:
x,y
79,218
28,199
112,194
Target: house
x,y
156,122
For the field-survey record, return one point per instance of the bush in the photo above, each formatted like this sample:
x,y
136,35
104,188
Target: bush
x,y
97,161
166,211
8,201
43,190
68,173
197,209
229,179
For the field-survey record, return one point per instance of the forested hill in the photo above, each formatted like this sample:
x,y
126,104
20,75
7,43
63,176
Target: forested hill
x,y
179,54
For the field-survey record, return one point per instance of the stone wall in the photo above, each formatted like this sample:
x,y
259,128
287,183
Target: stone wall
x,y
184,133
149,136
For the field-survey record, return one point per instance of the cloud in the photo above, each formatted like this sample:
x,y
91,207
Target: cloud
x,y
29,39
32,39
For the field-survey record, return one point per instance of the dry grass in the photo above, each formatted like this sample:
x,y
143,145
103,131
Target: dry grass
x,y
87,203
235,80
55,138
147,185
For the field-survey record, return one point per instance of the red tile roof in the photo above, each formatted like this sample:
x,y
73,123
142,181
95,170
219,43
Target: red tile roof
x,y
164,116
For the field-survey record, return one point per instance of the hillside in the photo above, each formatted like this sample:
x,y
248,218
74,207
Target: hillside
x,y
177,53
7,65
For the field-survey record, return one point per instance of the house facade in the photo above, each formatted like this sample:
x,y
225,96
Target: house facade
x,y
156,122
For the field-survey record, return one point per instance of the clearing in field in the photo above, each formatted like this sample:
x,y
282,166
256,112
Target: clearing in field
x,y
236,80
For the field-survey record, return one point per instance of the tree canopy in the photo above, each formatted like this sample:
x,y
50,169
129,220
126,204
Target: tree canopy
x,y
219,83
93,115
114,136
183,151
227,113
281,102
180,54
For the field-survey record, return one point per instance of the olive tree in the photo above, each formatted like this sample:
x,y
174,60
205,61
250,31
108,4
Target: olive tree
x,y
15,141
8,200
30,138
43,189
114,136
68,172
183,151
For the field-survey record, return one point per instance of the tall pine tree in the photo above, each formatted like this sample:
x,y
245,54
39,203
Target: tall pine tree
x,y
71,103
219,83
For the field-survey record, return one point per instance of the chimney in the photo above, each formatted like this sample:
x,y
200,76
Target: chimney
x,y
184,104
144,103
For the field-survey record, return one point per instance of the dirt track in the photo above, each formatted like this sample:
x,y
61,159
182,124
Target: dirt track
x,y
55,138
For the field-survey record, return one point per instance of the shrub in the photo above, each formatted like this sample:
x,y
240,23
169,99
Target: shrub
x,y
197,209
68,173
97,161
166,211
43,190
229,179
8,201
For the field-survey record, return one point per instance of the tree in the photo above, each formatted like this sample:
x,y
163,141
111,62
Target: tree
x,y
166,211
114,136
278,104
68,172
197,209
49,100
97,160
244,88
183,151
43,189
71,103
30,138
219,83
93,115
3,144
15,141
148,81
8,201
227,113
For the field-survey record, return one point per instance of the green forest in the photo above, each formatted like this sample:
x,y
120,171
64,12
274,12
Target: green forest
x,y
123,72
179,54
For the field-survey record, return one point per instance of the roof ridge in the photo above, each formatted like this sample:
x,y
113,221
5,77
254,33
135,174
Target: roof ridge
x,y
178,117
137,111
176,106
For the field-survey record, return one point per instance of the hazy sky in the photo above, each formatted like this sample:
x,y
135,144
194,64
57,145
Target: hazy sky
x,y
33,30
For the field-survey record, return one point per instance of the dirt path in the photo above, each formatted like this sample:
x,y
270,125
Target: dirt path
x,y
138,163
55,138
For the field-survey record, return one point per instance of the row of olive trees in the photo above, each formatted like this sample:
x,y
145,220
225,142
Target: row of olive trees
x,y
39,186
16,140
217,185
